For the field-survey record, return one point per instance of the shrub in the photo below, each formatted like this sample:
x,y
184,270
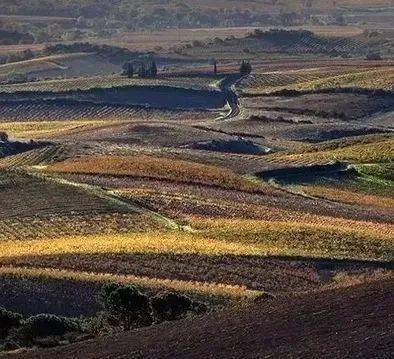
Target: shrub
x,y
97,325
173,306
126,306
8,321
198,43
170,306
373,56
3,136
45,325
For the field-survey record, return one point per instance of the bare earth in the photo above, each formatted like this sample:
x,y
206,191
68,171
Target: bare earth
x,y
353,322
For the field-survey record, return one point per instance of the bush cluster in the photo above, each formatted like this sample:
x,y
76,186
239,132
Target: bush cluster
x,y
127,307
124,307
17,332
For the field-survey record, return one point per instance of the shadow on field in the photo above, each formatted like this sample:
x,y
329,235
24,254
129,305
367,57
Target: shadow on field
x,y
277,275
165,97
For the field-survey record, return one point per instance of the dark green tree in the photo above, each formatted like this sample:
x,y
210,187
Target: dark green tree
x,y
152,69
245,68
130,70
171,306
126,306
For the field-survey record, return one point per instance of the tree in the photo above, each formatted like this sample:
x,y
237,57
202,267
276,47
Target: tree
x,y
142,71
126,306
171,306
152,69
8,321
129,70
245,68
214,62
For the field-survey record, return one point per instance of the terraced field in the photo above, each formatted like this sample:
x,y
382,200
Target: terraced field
x,y
317,79
34,111
88,83
217,187
49,129
156,168
375,152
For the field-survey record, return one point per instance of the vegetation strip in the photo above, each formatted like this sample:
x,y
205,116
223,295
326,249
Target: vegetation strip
x,y
215,289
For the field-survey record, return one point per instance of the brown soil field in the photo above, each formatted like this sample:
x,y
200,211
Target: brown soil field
x,y
328,324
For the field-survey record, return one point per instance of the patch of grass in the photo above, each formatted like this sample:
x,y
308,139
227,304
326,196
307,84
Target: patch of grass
x,y
318,79
59,225
35,157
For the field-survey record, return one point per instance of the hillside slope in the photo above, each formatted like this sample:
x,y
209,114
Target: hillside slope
x,y
354,322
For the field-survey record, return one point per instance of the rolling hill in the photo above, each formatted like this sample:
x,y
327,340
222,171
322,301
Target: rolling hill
x,y
329,324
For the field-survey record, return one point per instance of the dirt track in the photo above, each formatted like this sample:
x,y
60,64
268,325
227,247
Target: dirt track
x,y
354,322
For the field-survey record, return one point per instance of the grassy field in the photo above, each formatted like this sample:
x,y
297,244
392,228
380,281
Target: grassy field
x,y
36,208
217,259
217,290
